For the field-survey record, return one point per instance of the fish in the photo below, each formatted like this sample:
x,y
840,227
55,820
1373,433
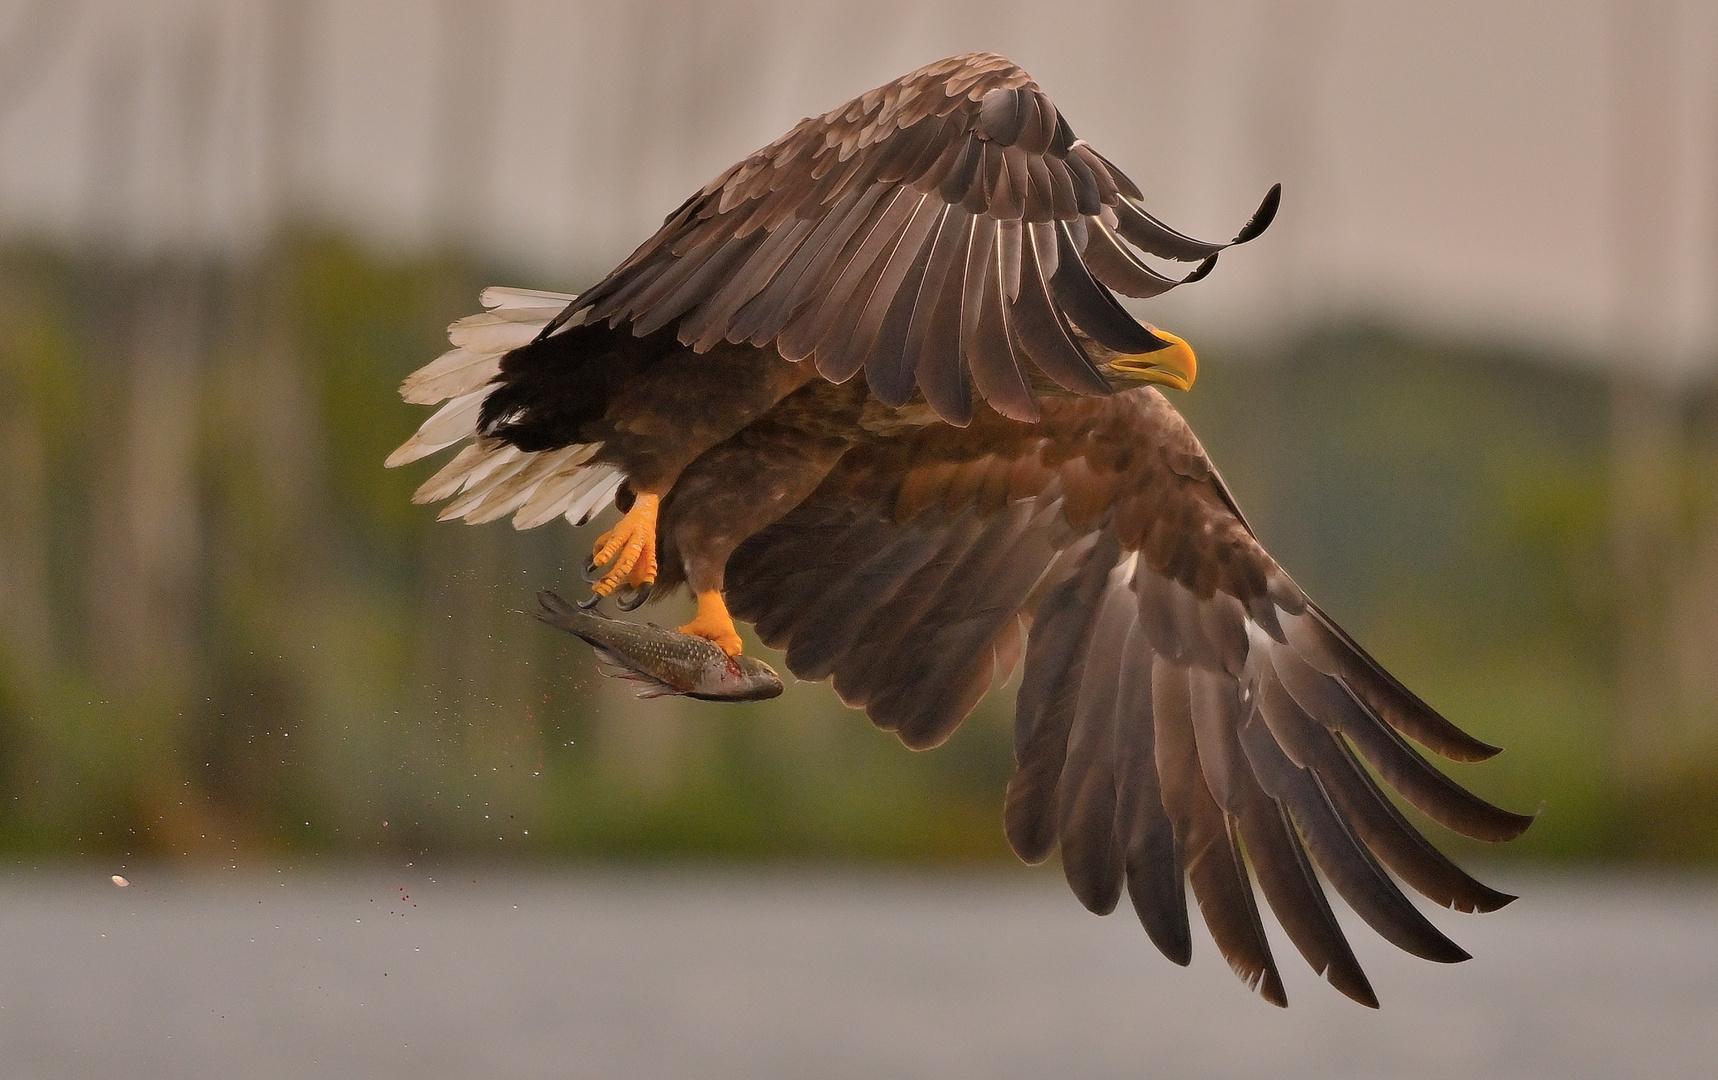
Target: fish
x,y
665,662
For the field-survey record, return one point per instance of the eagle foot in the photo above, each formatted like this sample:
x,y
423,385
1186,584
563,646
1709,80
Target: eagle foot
x,y
714,624
630,547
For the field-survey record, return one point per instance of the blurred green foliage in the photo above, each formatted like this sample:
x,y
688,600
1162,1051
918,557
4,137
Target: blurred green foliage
x,y
228,630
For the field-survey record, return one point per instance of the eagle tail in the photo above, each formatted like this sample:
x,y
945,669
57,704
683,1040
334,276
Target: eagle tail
x,y
490,478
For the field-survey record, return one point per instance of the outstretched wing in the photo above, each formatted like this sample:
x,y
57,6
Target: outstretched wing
x,y
1184,710
945,223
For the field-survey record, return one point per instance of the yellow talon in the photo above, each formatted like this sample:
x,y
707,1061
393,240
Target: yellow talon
x,y
713,623
631,546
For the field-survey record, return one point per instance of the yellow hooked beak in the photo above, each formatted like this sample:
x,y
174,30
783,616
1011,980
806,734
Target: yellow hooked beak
x,y
1173,366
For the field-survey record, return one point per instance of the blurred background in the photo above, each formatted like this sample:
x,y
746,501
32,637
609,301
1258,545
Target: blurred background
x,y
1466,389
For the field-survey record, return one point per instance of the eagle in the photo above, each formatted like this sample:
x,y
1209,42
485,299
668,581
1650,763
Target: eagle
x,y
871,391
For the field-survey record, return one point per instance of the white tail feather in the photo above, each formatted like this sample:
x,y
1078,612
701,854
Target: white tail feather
x,y
505,298
555,495
458,371
480,489
581,511
512,492
468,467
555,492
490,478
492,332
454,421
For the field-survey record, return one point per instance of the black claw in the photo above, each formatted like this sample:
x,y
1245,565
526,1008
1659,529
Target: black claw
x,y
633,598
590,601
591,573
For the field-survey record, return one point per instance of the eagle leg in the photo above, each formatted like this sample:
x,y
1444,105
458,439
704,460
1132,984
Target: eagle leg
x,y
630,546
713,623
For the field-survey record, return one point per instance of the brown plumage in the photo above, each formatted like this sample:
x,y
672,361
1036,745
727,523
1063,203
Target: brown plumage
x,y
1185,713
909,233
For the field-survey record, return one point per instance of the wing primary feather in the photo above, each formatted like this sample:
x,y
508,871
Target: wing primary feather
x,y
863,262
909,246
1120,179
1044,706
764,315
941,677
1045,243
1331,703
1115,266
990,354
1092,856
887,367
978,250
1271,845
713,321
1262,217
1041,331
948,247
698,285
1389,836
1149,234
1292,889
1213,864
1317,637
1374,818
1008,242
1091,306
940,373
826,266
1359,879
834,623
867,669
1153,865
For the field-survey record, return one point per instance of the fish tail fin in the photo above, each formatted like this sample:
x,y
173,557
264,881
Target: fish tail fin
x,y
583,624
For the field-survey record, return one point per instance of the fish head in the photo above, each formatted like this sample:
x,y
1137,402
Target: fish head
x,y
737,678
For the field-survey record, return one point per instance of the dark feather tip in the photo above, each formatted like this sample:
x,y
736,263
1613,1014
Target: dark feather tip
x,y
1262,217
1201,270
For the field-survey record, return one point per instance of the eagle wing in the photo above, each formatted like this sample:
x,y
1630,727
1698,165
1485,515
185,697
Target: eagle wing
x,y
1184,708
945,223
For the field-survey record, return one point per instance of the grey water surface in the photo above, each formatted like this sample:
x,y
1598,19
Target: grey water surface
x,y
580,972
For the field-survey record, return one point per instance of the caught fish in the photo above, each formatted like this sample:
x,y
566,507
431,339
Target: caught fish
x,y
665,661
